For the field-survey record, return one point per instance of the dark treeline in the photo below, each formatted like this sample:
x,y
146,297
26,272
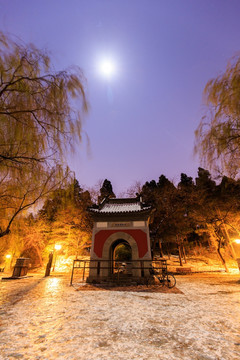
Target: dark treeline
x,y
63,219
191,215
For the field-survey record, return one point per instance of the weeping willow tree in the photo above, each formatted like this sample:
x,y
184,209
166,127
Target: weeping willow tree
x,y
218,134
40,120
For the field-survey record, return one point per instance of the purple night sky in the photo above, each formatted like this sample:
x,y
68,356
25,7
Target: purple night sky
x,y
142,120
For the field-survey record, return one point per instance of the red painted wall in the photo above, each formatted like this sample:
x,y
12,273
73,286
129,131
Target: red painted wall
x,y
139,236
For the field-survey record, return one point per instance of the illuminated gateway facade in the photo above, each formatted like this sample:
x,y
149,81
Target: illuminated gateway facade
x,y
120,221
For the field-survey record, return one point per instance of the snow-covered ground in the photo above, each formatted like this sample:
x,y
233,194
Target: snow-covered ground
x,y
45,318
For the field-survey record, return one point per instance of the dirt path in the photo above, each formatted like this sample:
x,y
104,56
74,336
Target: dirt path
x,y
46,319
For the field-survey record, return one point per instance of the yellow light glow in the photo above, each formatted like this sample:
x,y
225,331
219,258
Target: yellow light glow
x,y
237,241
8,256
58,247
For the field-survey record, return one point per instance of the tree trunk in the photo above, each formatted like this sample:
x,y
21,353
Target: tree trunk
x,y
168,251
160,248
39,255
180,255
221,257
5,232
230,243
184,254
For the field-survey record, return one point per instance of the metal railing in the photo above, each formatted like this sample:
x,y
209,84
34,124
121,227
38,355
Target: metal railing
x,y
116,270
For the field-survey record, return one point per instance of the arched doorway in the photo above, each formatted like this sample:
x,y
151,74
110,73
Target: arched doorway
x,y
102,252
120,256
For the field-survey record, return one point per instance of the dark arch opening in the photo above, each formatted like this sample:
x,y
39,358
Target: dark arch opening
x,y
121,254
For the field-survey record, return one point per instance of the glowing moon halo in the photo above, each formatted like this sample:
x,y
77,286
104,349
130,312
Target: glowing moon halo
x,y
107,68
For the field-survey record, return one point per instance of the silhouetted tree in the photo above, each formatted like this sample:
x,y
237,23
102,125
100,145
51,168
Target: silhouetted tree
x,y
63,219
38,122
186,181
218,134
106,191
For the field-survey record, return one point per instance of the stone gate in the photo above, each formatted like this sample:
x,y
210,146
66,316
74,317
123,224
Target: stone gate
x,y
120,221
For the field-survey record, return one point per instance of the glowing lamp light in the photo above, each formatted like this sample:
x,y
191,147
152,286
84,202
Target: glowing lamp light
x,y
237,241
58,247
8,256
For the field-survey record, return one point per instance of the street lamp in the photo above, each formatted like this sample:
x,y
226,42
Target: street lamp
x,y
8,261
237,241
56,247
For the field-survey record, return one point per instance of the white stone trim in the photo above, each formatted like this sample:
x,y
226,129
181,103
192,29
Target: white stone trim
x,y
101,225
139,223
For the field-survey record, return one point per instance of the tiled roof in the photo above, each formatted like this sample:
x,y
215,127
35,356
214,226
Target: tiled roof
x,y
120,206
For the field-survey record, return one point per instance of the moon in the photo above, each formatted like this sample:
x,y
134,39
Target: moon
x,y
107,68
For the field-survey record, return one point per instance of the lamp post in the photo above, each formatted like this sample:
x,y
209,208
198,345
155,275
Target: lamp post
x,y
49,264
56,248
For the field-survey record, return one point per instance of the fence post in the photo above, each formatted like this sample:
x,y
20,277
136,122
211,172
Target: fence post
x,y
72,273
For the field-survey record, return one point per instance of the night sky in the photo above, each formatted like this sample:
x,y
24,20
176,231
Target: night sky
x,y
142,119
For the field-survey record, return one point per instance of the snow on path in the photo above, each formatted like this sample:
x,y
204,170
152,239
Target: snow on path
x,y
53,321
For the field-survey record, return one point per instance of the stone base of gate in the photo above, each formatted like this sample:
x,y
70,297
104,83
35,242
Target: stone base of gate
x,y
122,281
101,271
